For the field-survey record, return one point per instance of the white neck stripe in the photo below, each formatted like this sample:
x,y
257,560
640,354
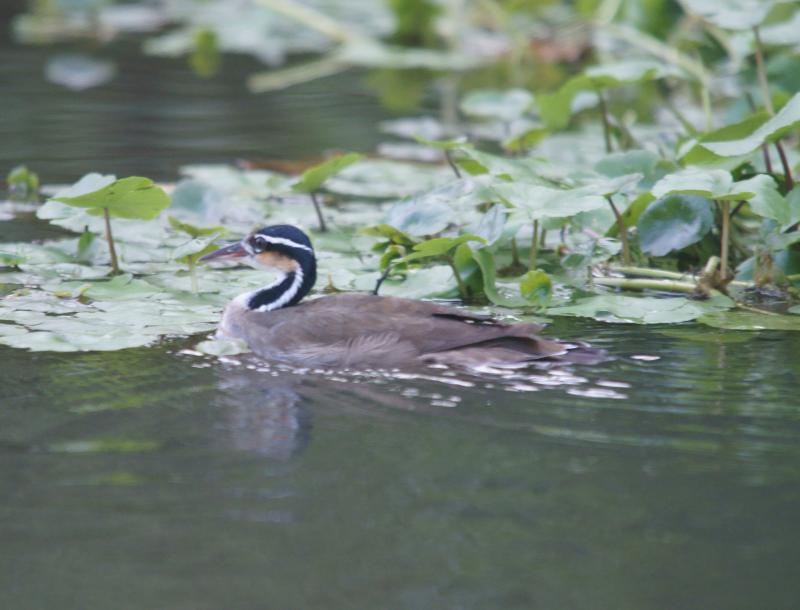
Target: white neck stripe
x,y
286,296
284,242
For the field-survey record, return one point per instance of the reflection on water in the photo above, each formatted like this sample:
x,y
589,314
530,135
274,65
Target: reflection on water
x,y
192,484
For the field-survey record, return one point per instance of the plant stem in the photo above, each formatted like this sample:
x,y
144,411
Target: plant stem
x,y
787,170
382,279
654,273
764,147
322,226
761,72
669,105
462,287
710,267
193,275
275,80
606,125
622,230
725,238
452,163
534,254
514,252
645,284
762,81
705,96
311,18
110,239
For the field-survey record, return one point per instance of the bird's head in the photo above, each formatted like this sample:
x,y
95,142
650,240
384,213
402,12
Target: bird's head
x,y
284,248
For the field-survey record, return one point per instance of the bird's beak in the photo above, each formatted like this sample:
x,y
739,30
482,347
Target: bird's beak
x,y
230,252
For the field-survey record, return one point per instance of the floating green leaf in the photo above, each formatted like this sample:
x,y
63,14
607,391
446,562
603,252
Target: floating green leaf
x,y
620,308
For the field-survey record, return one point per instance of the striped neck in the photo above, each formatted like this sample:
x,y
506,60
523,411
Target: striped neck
x,y
286,291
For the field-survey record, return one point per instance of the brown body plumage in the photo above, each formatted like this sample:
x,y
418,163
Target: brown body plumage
x,y
368,331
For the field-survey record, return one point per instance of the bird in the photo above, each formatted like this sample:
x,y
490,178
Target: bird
x,y
358,330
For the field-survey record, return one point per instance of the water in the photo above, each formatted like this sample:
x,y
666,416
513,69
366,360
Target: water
x,y
666,478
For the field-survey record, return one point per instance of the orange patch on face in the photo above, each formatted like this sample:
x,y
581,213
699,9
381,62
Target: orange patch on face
x,y
274,260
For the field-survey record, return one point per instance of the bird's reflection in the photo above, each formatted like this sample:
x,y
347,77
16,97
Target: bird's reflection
x,y
262,414
266,409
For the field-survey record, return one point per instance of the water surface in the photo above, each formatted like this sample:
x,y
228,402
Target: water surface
x,y
665,478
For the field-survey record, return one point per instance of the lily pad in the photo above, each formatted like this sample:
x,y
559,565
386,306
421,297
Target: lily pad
x,y
618,308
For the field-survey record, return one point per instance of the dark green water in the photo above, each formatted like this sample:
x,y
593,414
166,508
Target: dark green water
x,y
149,479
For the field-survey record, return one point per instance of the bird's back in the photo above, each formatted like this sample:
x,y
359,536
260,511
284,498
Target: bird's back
x,y
360,330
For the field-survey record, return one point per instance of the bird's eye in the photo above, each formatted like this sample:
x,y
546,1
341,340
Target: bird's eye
x,y
258,243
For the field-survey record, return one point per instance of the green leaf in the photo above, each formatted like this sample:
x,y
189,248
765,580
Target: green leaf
x,y
732,14
121,287
23,180
8,259
618,308
194,231
761,193
427,214
556,108
748,135
674,222
476,162
313,178
393,234
710,183
642,162
536,287
132,197
454,144
536,202
485,260
504,105
440,246
191,251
